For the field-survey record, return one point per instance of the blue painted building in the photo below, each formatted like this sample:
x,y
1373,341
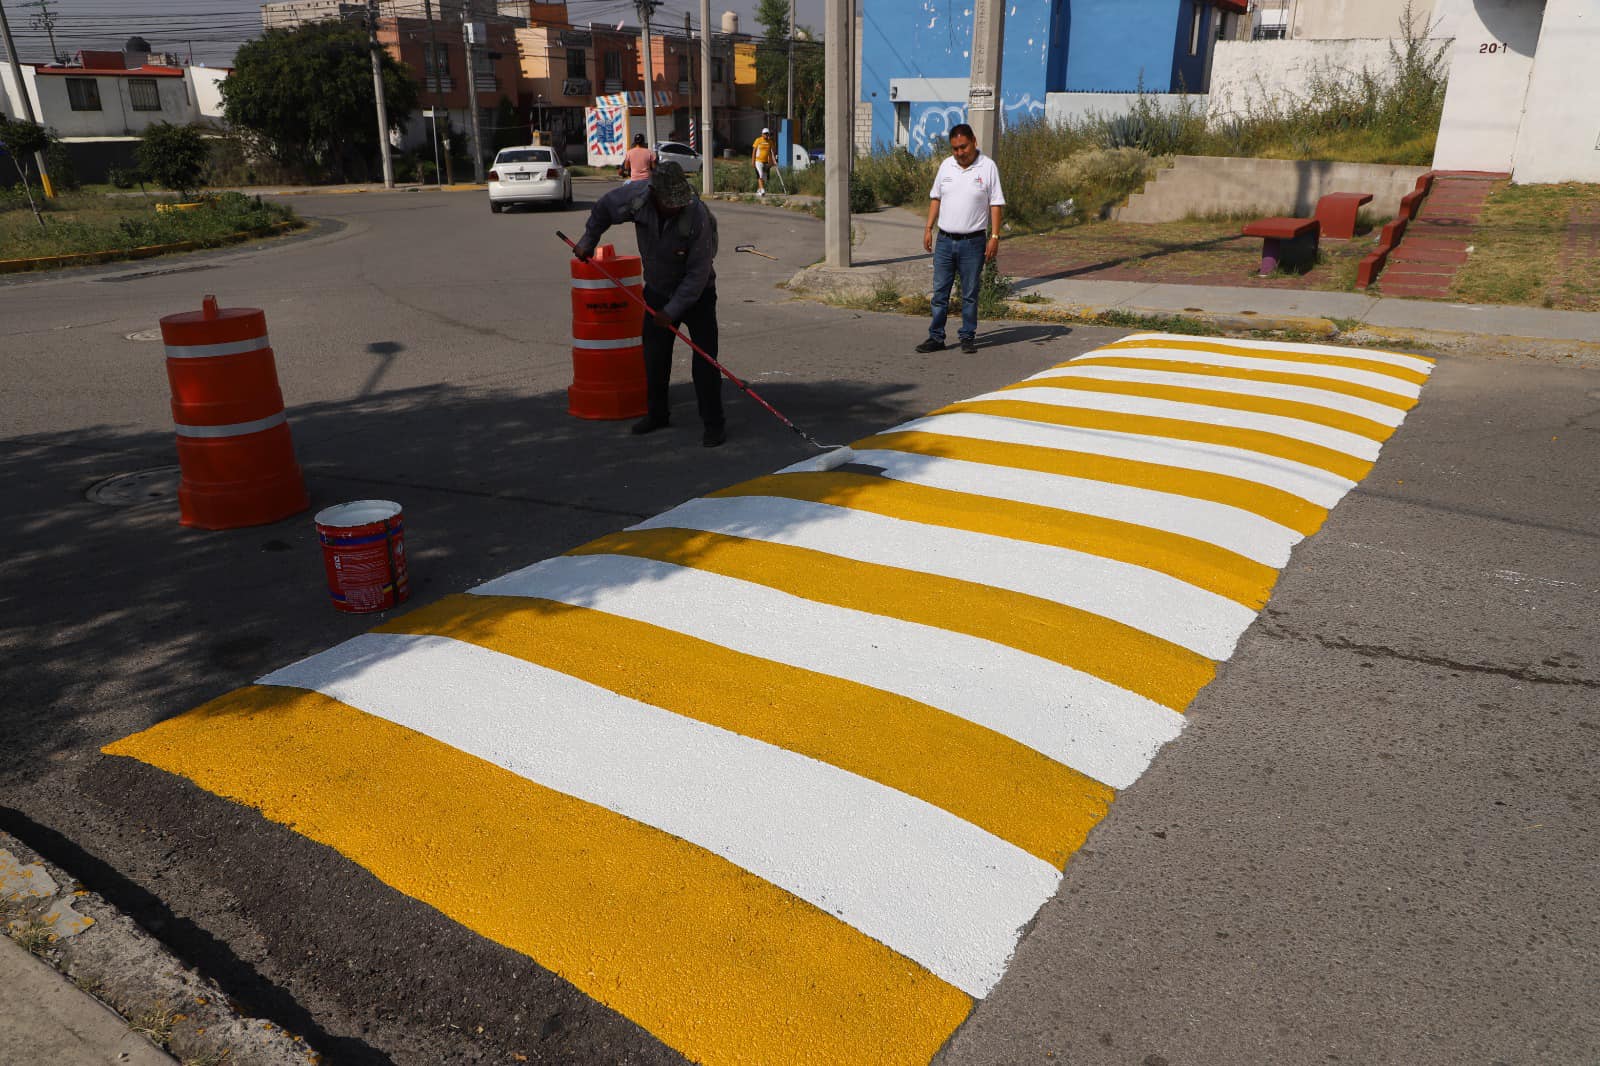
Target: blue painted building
x,y
916,57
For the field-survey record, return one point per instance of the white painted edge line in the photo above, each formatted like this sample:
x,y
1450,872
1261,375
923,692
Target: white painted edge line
x,y
1409,362
237,429
1152,602
1232,528
1075,718
1312,371
1333,401
207,351
1310,483
906,873
1351,444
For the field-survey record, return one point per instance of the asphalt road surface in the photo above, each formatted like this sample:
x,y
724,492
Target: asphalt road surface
x,y
1373,843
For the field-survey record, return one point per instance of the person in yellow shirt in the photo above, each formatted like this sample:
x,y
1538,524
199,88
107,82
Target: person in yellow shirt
x,y
762,154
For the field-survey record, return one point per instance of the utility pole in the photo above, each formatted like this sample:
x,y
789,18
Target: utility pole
x,y
439,176
377,91
983,92
789,114
46,20
646,8
471,31
837,55
707,142
27,101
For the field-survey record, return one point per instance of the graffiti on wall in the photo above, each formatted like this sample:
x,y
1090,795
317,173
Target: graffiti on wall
x,y
933,122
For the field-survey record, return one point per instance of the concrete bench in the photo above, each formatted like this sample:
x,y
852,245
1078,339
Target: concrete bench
x,y
1337,212
1285,240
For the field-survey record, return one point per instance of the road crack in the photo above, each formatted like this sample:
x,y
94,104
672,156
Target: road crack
x,y
1379,651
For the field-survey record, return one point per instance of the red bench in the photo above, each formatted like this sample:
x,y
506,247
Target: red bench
x,y
1337,212
1284,239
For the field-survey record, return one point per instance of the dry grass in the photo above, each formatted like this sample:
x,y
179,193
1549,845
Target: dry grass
x,y
1521,253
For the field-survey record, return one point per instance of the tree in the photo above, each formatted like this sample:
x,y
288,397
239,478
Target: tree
x,y
174,157
772,71
305,97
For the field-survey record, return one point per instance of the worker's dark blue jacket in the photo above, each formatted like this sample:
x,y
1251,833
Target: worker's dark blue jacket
x,y
677,251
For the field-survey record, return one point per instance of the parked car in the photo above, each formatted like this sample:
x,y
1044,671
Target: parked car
x,y
681,154
531,175
818,156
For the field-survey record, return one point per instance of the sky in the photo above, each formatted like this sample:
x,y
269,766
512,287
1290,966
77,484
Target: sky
x,y
212,29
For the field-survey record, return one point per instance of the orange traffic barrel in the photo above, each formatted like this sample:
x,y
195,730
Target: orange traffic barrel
x,y
234,446
607,350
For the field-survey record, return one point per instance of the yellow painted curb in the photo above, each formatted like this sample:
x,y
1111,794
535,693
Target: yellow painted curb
x,y
46,262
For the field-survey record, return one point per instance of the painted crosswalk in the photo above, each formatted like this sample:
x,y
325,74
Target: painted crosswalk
x,y
782,773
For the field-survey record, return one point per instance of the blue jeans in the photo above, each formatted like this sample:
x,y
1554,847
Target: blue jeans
x,y
950,256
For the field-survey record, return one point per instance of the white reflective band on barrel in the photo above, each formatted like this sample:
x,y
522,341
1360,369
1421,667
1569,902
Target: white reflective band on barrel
x,y
606,283
203,351
624,342
237,429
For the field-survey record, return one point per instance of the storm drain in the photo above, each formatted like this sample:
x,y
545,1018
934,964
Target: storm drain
x,y
141,486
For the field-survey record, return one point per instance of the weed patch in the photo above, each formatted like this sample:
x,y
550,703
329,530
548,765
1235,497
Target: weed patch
x,y
93,222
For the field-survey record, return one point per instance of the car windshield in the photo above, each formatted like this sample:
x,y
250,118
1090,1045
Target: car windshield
x,y
525,155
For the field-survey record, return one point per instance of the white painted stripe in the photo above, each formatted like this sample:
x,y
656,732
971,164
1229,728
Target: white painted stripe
x,y
1152,602
603,283
914,877
1075,718
206,351
1352,444
1308,482
1409,362
1334,401
1232,528
623,342
237,429
1382,382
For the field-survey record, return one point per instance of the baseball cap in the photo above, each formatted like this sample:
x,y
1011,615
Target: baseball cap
x,y
765,130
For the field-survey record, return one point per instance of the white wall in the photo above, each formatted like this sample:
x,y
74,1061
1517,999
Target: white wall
x,y
116,115
1060,108
1332,19
205,87
1248,75
1490,64
1560,135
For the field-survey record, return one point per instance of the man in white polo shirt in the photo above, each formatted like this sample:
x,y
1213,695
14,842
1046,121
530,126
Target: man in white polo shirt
x,y
965,204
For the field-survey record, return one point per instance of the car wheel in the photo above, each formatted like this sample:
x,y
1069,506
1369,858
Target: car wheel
x,y
494,207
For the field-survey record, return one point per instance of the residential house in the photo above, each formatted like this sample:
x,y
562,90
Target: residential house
x,y
915,61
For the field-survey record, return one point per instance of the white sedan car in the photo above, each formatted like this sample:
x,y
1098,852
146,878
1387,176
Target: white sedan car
x,y
679,153
531,175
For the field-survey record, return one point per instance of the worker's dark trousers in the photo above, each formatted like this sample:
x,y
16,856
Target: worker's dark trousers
x,y
701,325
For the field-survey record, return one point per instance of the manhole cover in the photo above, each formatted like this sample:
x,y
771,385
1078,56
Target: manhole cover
x,y
146,335
141,486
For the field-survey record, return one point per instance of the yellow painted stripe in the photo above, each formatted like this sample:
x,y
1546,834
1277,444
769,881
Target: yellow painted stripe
x,y
1284,508
1306,380
1199,563
1350,362
1255,440
714,961
1266,405
974,773
1112,651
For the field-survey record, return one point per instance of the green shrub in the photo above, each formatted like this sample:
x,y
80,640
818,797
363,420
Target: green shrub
x,y
174,157
63,172
897,177
1101,178
122,178
863,200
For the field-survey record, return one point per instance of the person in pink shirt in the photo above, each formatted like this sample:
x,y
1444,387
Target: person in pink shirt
x,y
640,162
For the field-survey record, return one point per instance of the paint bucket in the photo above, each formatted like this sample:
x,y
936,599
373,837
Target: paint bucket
x,y
364,555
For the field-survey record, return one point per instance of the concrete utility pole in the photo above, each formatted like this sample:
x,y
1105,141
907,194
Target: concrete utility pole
x,y
377,91
707,142
983,93
27,101
46,20
646,8
473,32
789,114
836,145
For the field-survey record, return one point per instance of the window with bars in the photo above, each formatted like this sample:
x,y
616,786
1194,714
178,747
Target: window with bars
x,y
577,63
83,94
613,66
143,94
716,70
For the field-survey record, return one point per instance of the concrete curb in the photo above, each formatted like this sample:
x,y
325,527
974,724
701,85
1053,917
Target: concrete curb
x,y
113,963
148,251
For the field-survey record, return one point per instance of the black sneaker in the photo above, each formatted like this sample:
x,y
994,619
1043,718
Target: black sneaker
x,y
969,346
651,423
930,345
713,437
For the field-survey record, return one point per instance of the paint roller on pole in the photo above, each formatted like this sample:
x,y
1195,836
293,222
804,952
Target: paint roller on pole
x,y
834,455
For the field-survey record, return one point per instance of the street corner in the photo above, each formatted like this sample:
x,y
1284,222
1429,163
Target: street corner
x,y
783,773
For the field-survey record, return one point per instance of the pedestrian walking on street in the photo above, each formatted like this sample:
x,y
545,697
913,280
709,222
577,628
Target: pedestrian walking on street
x,y
965,204
640,162
677,237
762,155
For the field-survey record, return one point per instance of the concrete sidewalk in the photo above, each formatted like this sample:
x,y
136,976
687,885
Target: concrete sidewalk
x,y
47,1021
888,247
